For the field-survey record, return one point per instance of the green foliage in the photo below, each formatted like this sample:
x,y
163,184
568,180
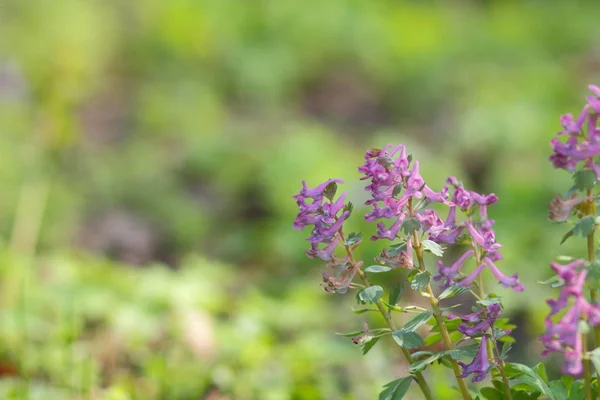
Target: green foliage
x,y
375,269
407,338
410,225
531,379
353,238
420,280
433,247
583,228
452,291
584,179
395,390
370,295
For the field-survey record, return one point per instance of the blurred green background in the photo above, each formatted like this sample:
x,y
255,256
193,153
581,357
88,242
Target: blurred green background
x,y
149,152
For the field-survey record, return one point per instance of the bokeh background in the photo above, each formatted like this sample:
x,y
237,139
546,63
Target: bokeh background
x,y
149,151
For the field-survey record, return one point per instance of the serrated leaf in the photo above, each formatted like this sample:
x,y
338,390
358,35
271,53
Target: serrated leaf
x,y
371,294
396,249
375,269
584,226
368,344
433,247
421,280
415,322
410,225
584,179
407,339
395,390
330,191
452,291
353,238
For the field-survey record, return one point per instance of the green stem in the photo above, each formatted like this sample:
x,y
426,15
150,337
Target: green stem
x,y
388,319
587,370
437,314
491,347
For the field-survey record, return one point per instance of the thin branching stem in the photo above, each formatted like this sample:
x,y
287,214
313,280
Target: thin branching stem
x,y
418,376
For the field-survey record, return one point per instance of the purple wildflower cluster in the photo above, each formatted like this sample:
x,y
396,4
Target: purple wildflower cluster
x,y
563,334
398,192
479,234
580,146
318,209
479,324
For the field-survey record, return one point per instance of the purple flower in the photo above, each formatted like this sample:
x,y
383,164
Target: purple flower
x,y
581,145
480,321
559,209
326,217
393,184
562,334
451,273
480,365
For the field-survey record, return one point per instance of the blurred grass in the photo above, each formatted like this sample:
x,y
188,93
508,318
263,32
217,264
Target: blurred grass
x,y
142,132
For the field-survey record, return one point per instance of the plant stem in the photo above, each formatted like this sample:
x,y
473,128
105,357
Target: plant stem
x,y
437,314
587,370
493,347
591,252
388,319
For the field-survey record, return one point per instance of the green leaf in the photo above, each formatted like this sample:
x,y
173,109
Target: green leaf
x,y
469,351
452,291
350,334
559,390
577,390
489,301
433,247
566,236
368,344
582,228
522,395
371,294
395,390
524,374
374,269
396,249
407,339
554,282
432,339
353,238
540,370
421,280
506,346
397,190
422,364
584,179
415,322
395,293
349,207
410,225
492,394
595,357
330,190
